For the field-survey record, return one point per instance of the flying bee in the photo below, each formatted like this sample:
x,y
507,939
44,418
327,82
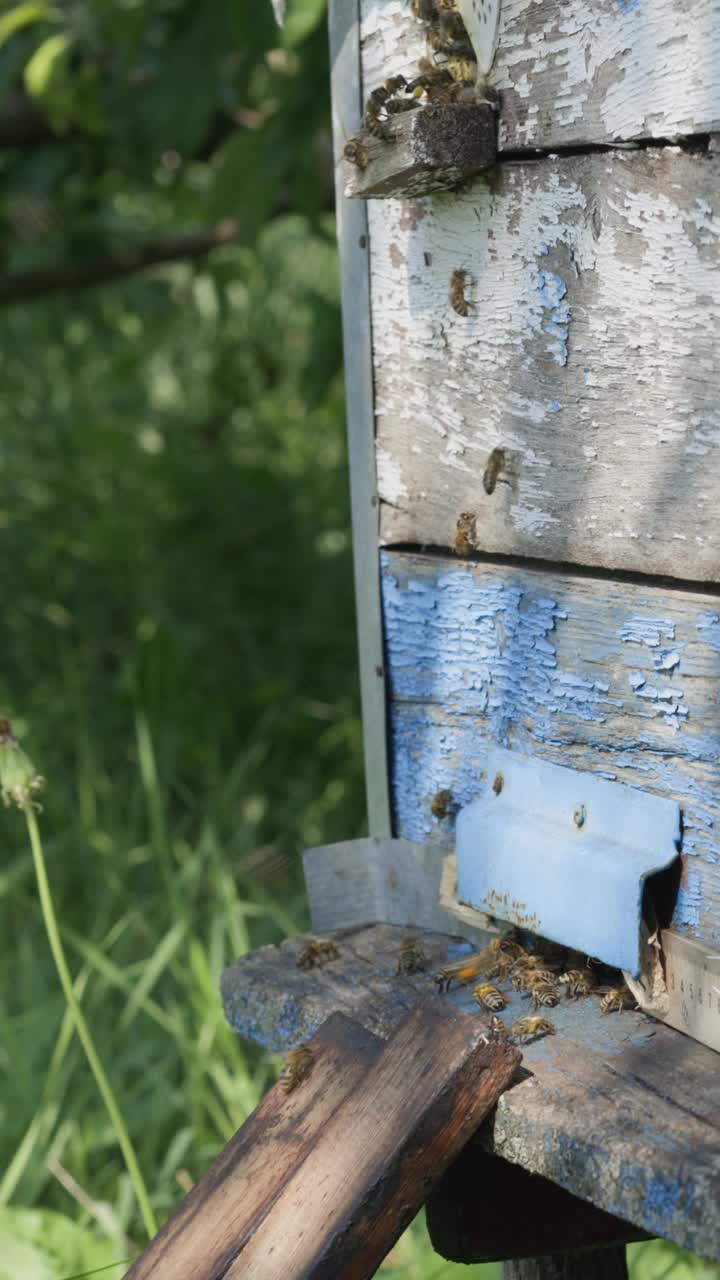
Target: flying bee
x,y
579,982
317,952
356,153
297,1066
494,466
488,996
464,969
465,541
530,1028
456,294
616,1000
411,957
543,994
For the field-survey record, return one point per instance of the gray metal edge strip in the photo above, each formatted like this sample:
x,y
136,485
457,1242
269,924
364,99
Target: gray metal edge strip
x,y
353,241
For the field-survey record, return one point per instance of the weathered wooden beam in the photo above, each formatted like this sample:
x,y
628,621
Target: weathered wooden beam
x,y
620,1110
586,364
212,1225
522,1215
587,1264
605,677
352,231
572,72
430,148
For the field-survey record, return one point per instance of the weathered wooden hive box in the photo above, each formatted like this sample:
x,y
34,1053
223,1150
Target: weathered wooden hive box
x,y
536,481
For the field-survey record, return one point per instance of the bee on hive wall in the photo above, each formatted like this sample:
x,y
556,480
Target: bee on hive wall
x,y
456,293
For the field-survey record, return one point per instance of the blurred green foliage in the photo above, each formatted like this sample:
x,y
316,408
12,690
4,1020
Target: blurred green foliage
x,y
178,626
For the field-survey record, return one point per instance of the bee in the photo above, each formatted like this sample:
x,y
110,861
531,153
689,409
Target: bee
x,y
462,70
539,977
498,1030
489,996
435,81
396,106
464,969
543,994
616,1000
443,43
356,153
411,957
530,1028
317,952
456,293
297,1066
424,10
510,947
465,541
494,466
579,982
440,804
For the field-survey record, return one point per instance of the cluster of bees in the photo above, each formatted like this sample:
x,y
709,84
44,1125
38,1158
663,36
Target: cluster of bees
x,y
540,976
454,79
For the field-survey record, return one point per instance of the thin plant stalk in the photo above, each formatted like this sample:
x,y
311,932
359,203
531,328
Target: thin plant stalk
x,y
83,1031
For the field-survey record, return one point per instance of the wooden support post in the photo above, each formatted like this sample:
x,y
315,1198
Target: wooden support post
x,y
578,1264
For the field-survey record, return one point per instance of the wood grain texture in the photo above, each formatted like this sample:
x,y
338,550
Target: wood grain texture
x,y
588,1264
352,232
430,148
358,882
600,676
579,71
216,1219
522,1215
382,1151
588,357
603,1110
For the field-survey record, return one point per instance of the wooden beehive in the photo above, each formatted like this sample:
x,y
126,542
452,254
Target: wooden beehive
x,y
537,537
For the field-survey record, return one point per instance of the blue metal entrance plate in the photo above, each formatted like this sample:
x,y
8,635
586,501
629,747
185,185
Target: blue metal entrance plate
x,y
564,854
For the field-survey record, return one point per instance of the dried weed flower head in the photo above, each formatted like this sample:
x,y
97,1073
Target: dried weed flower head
x,y
19,780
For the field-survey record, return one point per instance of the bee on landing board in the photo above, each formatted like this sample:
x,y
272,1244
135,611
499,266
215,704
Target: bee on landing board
x,y
530,1028
616,1000
411,957
456,293
579,982
317,952
489,997
544,995
355,152
297,1067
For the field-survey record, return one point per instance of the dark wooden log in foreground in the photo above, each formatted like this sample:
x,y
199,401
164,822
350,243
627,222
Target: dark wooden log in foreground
x,y
588,1264
323,1180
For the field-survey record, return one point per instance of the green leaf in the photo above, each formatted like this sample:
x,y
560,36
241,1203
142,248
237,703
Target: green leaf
x,y
302,17
45,62
41,1245
23,15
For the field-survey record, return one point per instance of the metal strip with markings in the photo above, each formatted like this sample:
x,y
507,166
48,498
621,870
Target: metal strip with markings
x,y
692,977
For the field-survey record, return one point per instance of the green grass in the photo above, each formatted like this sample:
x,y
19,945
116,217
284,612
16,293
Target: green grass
x,y
179,659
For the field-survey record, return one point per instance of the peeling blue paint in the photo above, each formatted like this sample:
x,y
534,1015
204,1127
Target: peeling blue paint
x,y
473,660
627,6
552,290
708,627
554,406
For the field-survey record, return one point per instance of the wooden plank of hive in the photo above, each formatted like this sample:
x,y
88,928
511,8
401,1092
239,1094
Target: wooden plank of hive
x,y
620,1110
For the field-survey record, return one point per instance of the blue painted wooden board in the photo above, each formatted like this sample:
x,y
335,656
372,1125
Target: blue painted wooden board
x,y
609,677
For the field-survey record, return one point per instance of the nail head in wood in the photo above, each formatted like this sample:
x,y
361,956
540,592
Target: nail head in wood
x,y
433,148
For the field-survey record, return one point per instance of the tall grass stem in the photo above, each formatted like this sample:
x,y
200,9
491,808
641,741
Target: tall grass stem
x,y
83,1031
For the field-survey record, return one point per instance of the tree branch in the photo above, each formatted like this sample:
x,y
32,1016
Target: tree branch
x,y
23,286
